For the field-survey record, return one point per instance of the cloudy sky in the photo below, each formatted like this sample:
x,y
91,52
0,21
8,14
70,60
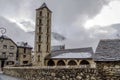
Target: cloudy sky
x,y
82,22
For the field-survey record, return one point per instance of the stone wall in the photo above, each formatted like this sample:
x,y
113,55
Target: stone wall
x,y
109,70
58,73
63,73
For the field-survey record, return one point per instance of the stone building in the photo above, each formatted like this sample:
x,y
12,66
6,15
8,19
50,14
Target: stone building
x,y
44,56
8,49
71,57
24,53
107,54
42,34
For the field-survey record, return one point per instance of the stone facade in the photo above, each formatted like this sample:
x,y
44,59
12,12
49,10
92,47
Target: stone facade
x,y
42,34
109,68
42,47
24,55
8,51
71,57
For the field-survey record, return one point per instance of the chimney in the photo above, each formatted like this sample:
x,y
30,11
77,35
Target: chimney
x,y
25,44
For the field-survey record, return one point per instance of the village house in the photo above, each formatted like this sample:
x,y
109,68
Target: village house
x,y
24,55
8,50
12,53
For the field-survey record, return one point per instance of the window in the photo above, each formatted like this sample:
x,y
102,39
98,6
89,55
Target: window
x,y
4,46
40,30
72,63
25,62
40,21
24,50
11,54
48,23
47,48
50,63
38,58
24,56
4,54
61,63
10,63
47,39
11,47
17,54
40,13
39,48
84,63
48,30
39,38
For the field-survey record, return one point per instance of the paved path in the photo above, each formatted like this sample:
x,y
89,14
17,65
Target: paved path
x,y
6,77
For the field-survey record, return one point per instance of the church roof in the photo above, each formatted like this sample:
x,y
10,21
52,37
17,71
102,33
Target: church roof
x,y
108,50
57,47
44,6
78,53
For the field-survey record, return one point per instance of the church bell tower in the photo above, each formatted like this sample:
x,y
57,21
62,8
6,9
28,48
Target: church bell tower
x,y
42,34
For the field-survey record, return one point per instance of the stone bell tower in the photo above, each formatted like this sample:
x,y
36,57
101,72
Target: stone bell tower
x,y
42,34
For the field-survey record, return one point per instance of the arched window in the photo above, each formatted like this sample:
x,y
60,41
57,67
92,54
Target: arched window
x,y
84,62
72,62
61,63
51,63
38,58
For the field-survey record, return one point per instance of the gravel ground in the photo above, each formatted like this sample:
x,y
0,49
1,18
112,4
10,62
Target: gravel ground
x,y
6,77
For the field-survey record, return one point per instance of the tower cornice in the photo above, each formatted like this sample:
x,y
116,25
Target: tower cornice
x,y
44,6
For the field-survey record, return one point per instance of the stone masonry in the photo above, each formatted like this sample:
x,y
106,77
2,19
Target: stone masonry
x,y
63,73
53,73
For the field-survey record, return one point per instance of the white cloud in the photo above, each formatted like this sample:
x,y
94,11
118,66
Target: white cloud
x,y
25,24
110,14
64,16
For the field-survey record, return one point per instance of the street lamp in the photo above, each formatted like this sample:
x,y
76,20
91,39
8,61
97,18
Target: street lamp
x,y
2,31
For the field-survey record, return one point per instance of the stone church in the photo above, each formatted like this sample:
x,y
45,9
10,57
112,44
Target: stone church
x,y
44,56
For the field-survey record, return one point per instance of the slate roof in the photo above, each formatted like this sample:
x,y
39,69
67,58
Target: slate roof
x,y
108,50
23,44
58,47
78,53
44,6
4,37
